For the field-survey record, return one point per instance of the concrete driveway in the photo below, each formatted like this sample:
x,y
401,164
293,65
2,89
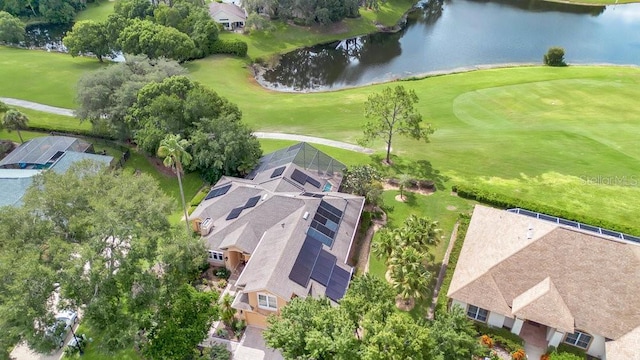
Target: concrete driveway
x,y
250,347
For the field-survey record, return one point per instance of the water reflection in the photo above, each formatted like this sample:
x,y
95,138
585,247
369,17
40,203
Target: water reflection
x,y
448,34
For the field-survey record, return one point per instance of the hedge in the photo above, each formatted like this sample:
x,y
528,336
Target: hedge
x,y
443,300
197,199
510,341
572,350
233,47
506,202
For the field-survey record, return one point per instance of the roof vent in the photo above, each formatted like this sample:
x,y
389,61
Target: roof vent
x,y
306,215
530,232
264,197
206,226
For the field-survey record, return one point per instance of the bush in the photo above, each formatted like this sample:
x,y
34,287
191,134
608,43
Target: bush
x,y
554,57
487,341
197,199
507,202
518,355
218,352
223,273
233,47
565,348
222,333
505,338
222,283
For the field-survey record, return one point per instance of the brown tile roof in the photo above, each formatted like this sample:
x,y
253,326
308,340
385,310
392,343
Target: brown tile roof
x,y
596,277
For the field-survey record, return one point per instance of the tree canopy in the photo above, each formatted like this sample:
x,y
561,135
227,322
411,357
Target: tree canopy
x,y
88,36
51,11
14,120
392,112
105,239
155,41
11,29
364,180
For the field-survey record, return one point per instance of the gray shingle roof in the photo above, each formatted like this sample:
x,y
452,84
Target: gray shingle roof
x,y
233,9
14,184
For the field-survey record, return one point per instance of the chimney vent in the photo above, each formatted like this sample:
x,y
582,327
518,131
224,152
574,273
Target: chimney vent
x,y
306,215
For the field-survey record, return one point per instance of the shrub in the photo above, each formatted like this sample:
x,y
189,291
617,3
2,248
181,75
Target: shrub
x,y
233,47
487,341
518,355
554,57
505,338
219,352
426,185
223,333
197,199
223,273
222,283
506,202
565,348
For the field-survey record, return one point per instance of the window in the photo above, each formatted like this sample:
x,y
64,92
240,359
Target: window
x,y
578,339
477,313
268,302
216,255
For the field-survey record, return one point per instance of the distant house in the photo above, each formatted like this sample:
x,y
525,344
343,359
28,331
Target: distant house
x,y
284,230
231,16
551,281
56,153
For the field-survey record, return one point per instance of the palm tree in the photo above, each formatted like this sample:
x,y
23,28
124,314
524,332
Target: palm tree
x,y
15,120
421,232
409,275
173,150
385,244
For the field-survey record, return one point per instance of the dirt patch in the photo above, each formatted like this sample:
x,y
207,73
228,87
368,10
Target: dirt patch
x,y
387,186
451,208
157,163
401,198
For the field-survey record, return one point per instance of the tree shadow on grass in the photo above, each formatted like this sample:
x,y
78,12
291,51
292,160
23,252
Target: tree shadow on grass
x,y
420,169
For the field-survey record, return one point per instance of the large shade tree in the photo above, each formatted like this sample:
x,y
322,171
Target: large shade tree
x,y
173,150
11,29
393,112
105,239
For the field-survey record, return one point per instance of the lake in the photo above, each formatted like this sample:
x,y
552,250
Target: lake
x,y
448,35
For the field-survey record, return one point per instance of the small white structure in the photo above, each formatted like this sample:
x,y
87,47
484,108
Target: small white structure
x,y
231,16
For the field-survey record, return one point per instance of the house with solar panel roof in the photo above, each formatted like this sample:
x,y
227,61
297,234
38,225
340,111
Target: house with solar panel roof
x,y
285,230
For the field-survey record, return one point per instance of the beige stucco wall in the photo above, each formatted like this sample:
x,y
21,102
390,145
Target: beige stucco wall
x,y
258,317
597,347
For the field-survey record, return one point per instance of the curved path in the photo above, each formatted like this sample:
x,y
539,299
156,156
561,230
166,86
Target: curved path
x,y
260,135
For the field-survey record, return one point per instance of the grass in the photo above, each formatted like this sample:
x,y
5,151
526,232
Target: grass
x,y
93,351
562,136
440,206
42,120
98,10
287,37
48,78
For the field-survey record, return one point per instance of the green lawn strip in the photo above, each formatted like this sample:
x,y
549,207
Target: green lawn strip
x,y
46,121
48,78
98,10
93,350
389,13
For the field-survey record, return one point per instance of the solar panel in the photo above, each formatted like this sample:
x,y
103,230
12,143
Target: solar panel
x,y
324,239
611,233
313,182
338,282
234,213
568,222
252,202
631,238
277,172
589,228
332,209
299,177
319,196
301,270
218,192
323,268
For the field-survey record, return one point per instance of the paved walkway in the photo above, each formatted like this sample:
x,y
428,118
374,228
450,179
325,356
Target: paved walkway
x,y
443,271
261,135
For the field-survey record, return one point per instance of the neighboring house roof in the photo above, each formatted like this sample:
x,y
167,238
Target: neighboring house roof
x,y
215,8
519,265
42,152
14,184
254,216
71,157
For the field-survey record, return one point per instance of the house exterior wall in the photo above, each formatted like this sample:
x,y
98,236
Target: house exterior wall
x,y
597,346
495,319
258,316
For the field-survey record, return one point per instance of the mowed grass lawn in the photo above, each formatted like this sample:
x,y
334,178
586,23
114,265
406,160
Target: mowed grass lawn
x,y
563,136
98,10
